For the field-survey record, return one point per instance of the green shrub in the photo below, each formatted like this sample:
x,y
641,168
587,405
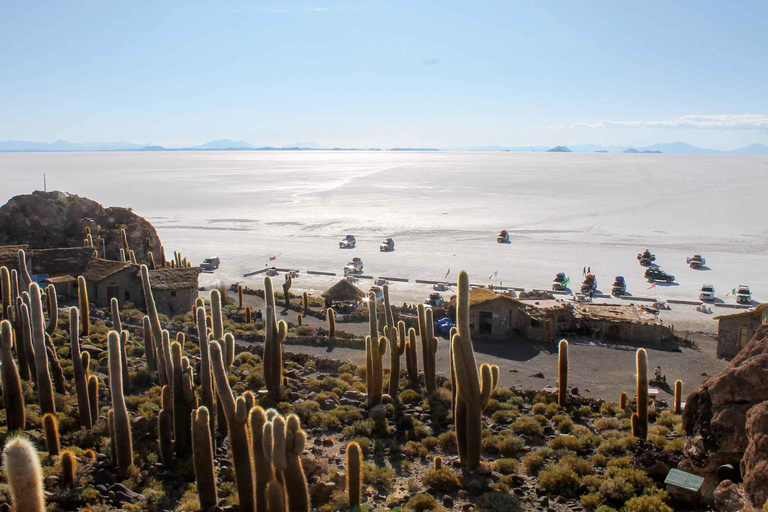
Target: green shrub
x,y
565,443
497,501
442,480
528,426
511,445
410,396
648,503
607,424
559,479
540,408
533,463
380,477
590,501
506,466
424,502
448,441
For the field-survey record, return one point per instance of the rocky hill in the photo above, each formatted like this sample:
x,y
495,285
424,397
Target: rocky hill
x,y
55,219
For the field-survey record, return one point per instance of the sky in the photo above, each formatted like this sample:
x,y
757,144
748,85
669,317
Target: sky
x,y
386,73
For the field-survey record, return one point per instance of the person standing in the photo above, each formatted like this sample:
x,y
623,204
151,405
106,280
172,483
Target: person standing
x,y
584,272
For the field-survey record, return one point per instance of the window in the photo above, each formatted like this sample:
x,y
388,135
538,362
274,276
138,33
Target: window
x,y
503,320
173,294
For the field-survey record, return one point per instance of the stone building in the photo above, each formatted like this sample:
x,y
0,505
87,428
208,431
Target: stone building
x,y
735,330
617,323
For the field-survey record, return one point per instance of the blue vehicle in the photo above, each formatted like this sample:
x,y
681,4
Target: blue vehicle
x,y
619,286
444,325
560,282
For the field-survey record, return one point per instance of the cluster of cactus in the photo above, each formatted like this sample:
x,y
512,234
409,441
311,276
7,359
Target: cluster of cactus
x,y
428,347
283,442
640,418
562,373
184,401
375,346
248,315
472,394
396,337
275,333
206,379
287,289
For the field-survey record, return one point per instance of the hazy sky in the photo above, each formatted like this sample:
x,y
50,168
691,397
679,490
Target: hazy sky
x,y
386,73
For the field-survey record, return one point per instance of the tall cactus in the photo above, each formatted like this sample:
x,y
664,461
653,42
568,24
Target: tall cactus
x,y
623,400
124,361
57,372
236,415
81,382
678,397
165,426
44,384
149,345
53,309
429,346
562,373
331,314
287,289
184,402
205,471
24,278
85,310
123,440
376,383
68,468
239,297
273,340
305,303
13,397
218,322
411,359
114,307
393,333
472,394
275,497
51,429
206,382
354,475
283,447
373,336
24,475
263,470
154,322
24,350
93,397
165,349
5,285
640,418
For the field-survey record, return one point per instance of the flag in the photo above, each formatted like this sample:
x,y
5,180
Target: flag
x,y
652,286
449,271
272,258
567,280
496,273
732,292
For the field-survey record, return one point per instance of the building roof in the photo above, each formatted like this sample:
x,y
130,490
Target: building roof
x,y
478,296
174,278
99,269
60,280
343,291
615,313
758,309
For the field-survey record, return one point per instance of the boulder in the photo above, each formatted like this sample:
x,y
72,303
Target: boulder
x,y
715,415
729,497
754,465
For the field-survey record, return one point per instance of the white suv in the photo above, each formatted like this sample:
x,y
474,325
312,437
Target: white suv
x,y
707,292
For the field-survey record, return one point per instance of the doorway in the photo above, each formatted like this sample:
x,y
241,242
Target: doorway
x,y
486,323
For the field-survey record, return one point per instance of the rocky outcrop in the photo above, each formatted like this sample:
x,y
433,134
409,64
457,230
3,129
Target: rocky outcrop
x,y
55,219
715,415
754,465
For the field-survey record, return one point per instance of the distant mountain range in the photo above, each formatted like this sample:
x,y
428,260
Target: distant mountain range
x,y
674,148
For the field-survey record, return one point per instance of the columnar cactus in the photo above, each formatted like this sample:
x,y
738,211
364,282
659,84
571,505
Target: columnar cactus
x,y
151,261
132,257
184,401
68,468
623,400
229,350
57,373
305,303
284,448
154,321
373,335
298,319
273,340
124,361
165,427
248,315
81,379
123,256
239,296
123,440
640,418
331,314
52,305
354,475
93,397
375,385
205,471
24,350
206,379
263,470
115,310
678,397
438,462
428,347
13,397
163,259
22,470
85,310
393,333
472,394
44,384
5,285
218,322
411,359
165,348
51,429
287,289
236,415
149,345
562,373
124,236
275,497
24,278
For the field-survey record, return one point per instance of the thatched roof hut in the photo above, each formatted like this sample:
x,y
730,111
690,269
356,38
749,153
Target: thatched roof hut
x,y
343,291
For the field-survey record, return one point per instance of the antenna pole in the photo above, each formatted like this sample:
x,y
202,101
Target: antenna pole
x,y
45,184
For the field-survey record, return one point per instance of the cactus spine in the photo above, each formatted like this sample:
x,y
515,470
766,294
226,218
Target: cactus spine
x,y
236,414
51,429
68,468
122,421
165,427
305,303
149,345
13,397
428,347
472,394
81,382
85,312
354,475
678,397
331,314
44,385
274,337
205,473
206,383
22,470
154,321
93,397
411,359
52,305
640,418
263,469
562,373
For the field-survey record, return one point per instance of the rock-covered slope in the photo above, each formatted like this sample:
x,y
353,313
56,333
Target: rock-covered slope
x,y
56,219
